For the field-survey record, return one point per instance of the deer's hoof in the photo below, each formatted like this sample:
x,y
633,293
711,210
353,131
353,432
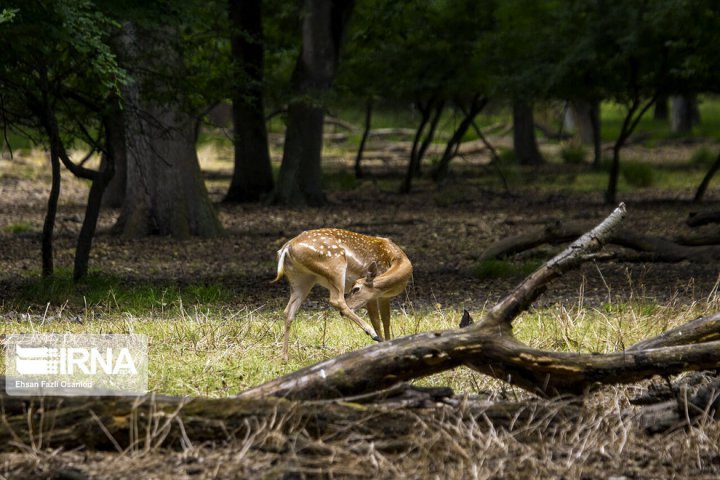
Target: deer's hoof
x,y
377,339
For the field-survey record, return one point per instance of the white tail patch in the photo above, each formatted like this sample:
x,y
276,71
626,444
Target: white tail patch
x,y
281,262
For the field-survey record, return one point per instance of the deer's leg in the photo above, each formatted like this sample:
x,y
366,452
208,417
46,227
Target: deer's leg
x,y
300,286
373,313
333,275
336,286
384,304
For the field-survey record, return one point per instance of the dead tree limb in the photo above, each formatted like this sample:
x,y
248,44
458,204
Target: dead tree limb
x,y
643,247
145,423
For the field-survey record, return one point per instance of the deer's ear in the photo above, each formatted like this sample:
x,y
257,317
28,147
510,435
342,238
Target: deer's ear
x,y
371,273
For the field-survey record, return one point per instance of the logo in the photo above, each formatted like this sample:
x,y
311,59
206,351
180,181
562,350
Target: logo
x,y
54,364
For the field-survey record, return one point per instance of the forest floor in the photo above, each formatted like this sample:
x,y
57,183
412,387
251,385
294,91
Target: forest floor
x,y
444,231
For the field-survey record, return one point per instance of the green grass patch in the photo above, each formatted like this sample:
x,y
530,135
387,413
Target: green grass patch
x,y
494,268
703,157
573,154
111,294
639,175
20,227
340,181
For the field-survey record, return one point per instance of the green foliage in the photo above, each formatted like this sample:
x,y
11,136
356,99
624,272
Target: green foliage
x,y
573,154
637,174
7,14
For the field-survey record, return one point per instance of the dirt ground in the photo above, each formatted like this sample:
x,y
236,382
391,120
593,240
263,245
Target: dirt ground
x,y
443,232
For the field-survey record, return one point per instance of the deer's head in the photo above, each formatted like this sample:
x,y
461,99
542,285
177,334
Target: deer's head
x,y
363,291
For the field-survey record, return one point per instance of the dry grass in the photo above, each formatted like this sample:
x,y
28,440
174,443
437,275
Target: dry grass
x,y
444,442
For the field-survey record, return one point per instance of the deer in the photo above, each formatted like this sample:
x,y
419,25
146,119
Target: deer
x,y
371,270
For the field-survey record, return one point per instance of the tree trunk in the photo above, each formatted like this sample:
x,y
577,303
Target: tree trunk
x,y
700,193
115,141
681,121
429,118
363,140
166,193
49,224
252,177
476,106
524,141
611,192
634,114
300,177
101,179
579,120
596,132
661,111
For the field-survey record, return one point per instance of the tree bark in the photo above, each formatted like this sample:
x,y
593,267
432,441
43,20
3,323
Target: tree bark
x,y
115,140
150,422
166,193
681,121
700,192
51,213
363,139
430,116
635,112
300,178
252,176
100,180
524,140
442,169
579,120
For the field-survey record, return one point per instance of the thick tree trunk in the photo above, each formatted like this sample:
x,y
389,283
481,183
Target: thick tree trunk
x,y
252,177
166,193
115,139
579,120
300,177
682,119
524,140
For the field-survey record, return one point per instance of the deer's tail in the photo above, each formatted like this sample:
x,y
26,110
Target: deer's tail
x,y
281,263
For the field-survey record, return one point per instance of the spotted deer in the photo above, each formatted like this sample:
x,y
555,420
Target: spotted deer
x,y
372,270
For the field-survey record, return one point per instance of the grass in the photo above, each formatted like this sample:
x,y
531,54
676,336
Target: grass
x,y
210,348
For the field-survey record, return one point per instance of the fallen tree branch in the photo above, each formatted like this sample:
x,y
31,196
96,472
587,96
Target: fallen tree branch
x,y
145,423
645,247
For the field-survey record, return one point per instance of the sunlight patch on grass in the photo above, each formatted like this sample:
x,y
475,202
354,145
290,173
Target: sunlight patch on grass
x,y
218,351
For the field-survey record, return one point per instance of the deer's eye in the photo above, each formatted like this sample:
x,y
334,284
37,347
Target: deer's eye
x,y
354,290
